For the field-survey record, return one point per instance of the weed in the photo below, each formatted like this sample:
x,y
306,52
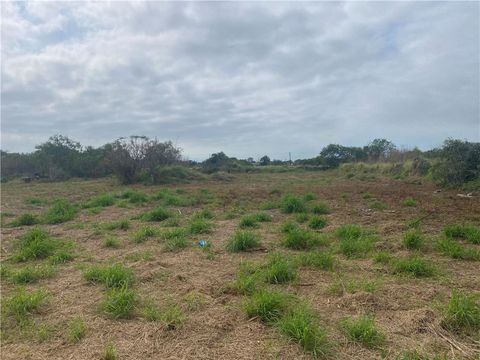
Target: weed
x,y
413,240
23,304
318,222
318,260
118,225
279,269
77,329
377,205
113,276
462,313
36,244
383,257
288,226
110,352
309,196
300,239
143,234
133,196
363,330
268,306
409,202
455,250
301,218
248,221
120,303
101,201
291,204
414,266
61,211
25,220
200,226
320,209
243,241
158,214
31,274
302,326
111,242
466,232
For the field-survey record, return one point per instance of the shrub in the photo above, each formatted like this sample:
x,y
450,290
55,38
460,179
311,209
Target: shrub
x,y
279,269
61,211
302,326
467,232
364,331
76,329
319,260
22,304
300,239
200,226
248,221
320,209
318,222
409,202
143,234
267,305
31,274
291,204
455,250
243,241
113,276
120,303
36,244
415,267
158,214
413,240
462,313
25,220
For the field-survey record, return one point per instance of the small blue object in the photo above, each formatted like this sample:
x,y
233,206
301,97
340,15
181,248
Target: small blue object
x,y
202,243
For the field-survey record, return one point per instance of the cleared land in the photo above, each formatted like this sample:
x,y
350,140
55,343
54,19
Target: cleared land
x,y
170,298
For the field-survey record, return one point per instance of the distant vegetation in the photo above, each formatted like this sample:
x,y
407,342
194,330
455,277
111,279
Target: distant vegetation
x,y
140,159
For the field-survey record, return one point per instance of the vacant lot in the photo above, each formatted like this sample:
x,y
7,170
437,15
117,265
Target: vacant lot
x,y
291,265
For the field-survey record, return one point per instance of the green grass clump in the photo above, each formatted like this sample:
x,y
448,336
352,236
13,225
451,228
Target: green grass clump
x,y
35,244
269,205
267,305
279,269
318,260
320,209
300,239
143,234
31,274
317,222
112,276
203,214
171,315
309,196
22,304
243,241
383,257
176,244
288,226
133,196
248,221
77,328
111,242
245,284
355,241
363,330
100,201
455,250
63,254
118,225
413,240
200,226
377,205
158,214
302,217
291,204
466,232
262,217
341,286
61,211
25,220
120,303
409,202
414,266
462,313
349,231
110,352
303,326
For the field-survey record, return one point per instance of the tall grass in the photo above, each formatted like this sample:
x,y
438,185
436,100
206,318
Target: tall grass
x,y
112,276
291,204
363,330
470,233
22,304
462,313
267,305
61,211
120,303
279,269
243,241
35,244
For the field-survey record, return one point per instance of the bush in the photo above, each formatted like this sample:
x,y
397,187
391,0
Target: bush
x,y
291,204
243,241
413,240
113,276
267,305
318,222
470,233
279,269
61,211
302,326
364,331
462,313
120,303
25,220
415,267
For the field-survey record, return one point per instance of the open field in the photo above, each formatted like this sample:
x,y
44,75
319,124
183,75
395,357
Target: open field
x,y
280,276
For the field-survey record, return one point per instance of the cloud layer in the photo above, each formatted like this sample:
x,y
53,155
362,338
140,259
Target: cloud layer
x,y
246,78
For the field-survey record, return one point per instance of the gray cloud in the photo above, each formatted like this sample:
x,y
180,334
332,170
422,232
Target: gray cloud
x,y
245,78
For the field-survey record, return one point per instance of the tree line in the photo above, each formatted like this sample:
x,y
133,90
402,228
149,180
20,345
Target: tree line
x,y
141,159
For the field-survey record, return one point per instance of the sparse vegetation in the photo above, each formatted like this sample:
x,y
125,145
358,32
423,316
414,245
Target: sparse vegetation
x,y
415,267
243,241
363,330
22,304
413,240
462,313
409,202
112,276
292,204
60,212
267,305
77,329
466,232
120,302
279,269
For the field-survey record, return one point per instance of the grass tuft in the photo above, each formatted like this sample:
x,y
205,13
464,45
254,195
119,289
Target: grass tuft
x,y
158,214
248,221
462,313
200,226
279,269
60,212
243,241
355,241
22,304
113,276
290,204
470,233
414,266
363,330
133,196
409,202
100,201
143,234
120,303
320,209
455,250
110,352
118,225
300,239
31,274
35,244
318,260
413,240
25,220
77,328
317,222
267,305
111,242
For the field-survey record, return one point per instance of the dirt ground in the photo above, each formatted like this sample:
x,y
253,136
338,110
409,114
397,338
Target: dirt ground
x,y
408,311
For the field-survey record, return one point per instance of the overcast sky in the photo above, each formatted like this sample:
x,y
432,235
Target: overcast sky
x,y
245,78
